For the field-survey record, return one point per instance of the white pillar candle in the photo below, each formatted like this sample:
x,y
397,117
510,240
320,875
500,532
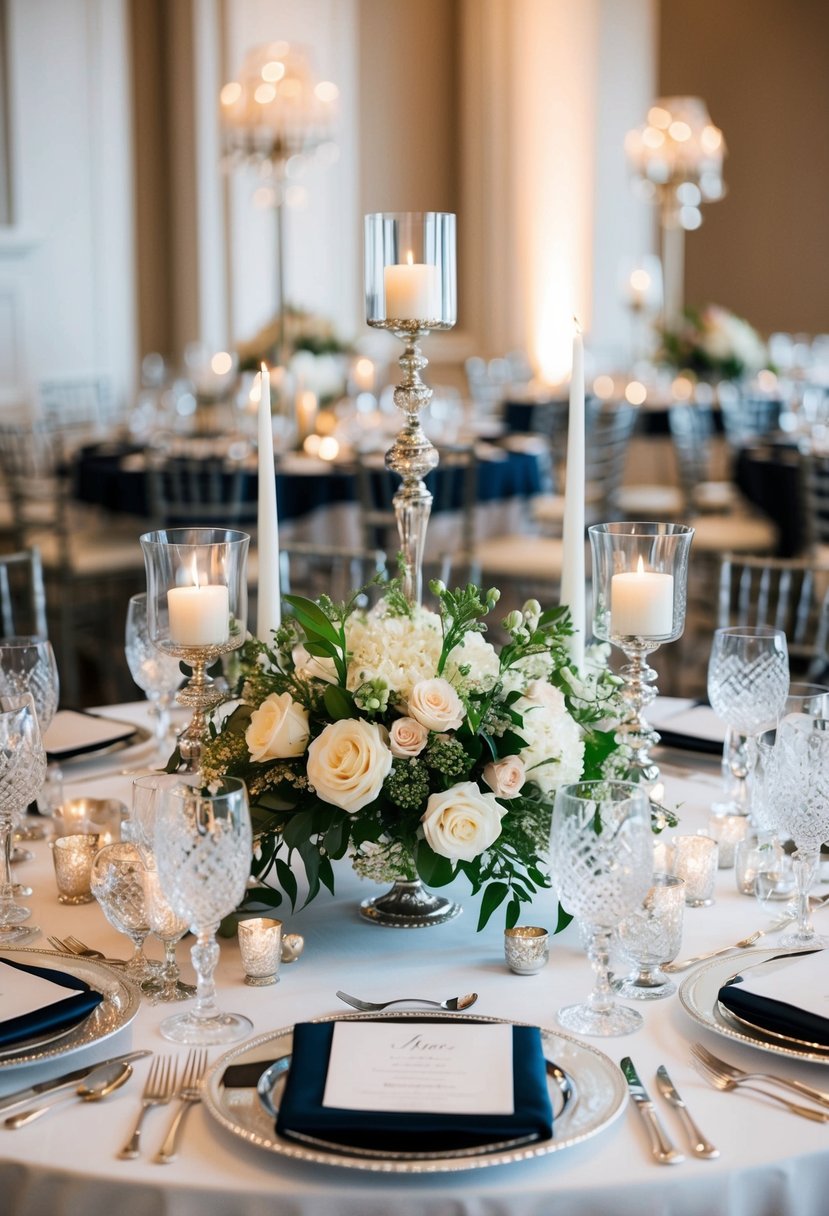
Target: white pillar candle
x,y
268,611
572,570
199,616
412,291
641,603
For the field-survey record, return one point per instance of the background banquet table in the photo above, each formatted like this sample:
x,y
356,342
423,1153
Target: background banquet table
x,y
771,1161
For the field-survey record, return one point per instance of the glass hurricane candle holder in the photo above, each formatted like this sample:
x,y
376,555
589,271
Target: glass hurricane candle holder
x,y
410,281
197,603
640,576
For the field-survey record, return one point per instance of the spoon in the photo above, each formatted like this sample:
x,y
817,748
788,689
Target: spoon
x,y
87,1093
453,1004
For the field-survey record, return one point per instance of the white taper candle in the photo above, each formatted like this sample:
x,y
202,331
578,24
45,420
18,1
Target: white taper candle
x,y
268,613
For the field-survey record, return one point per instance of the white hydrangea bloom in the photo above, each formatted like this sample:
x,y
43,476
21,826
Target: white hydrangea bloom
x,y
398,650
481,658
554,754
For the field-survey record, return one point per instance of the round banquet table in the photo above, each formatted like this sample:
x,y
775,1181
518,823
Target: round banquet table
x,y
771,1161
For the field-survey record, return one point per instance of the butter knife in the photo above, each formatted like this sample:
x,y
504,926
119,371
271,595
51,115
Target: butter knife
x,y
700,1147
66,1079
661,1147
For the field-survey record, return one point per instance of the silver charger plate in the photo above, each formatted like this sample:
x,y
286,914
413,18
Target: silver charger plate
x,y
121,1003
600,1087
698,995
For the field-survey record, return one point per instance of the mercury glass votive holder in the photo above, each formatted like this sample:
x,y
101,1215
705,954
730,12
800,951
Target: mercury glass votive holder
x,y
728,831
695,861
526,949
260,944
73,857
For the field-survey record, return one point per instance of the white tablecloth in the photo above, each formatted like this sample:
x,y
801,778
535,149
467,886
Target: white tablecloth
x,y
771,1162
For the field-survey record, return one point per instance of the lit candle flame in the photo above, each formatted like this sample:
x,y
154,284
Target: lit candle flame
x,y
640,566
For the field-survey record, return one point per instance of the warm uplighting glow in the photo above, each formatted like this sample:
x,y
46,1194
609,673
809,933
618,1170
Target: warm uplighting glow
x,y
711,139
652,138
311,445
273,71
636,394
264,94
231,93
682,389
221,363
659,117
680,131
603,387
329,448
327,91
291,88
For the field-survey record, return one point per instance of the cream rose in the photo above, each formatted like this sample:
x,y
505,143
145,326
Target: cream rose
x,y
408,737
505,777
462,822
278,729
436,705
348,763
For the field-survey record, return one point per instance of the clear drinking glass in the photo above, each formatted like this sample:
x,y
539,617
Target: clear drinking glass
x,y
748,681
118,885
27,665
797,787
203,851
22,770
602,857
157,674
169,928
650,936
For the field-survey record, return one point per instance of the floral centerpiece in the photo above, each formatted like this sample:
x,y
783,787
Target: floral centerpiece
x,y
402,738
713,341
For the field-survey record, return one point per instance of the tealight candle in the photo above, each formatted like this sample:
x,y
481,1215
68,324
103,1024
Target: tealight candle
x,y
260,944
73,857
641,603
199,616
412,291
728,831
695,861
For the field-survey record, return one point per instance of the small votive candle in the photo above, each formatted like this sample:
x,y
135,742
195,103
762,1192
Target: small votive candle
x,y
695,861
73,857
99,817
526,949
260,944
728,831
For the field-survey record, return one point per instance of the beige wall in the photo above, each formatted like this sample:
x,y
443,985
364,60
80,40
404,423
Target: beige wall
x,y
761,66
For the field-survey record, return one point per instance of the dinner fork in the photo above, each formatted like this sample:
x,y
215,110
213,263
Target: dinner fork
x,y
453,1004
743,944
159,1088
721,1080
739,1074
71,945
189,1092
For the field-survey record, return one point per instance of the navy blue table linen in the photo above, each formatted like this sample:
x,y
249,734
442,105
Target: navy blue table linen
x,y
64,1012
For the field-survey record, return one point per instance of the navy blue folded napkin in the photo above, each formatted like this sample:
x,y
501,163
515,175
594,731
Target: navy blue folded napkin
x,y
302,1114
60,1014
774,1016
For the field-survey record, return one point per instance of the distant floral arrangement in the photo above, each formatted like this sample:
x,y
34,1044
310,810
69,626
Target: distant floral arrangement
x,y
401,738
316,356
713,341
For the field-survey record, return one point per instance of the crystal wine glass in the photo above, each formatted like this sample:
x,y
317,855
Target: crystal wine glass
x,y
748,680
169,928
157,674
602,858
118,885
27,665
650,936
22,770
203,851
798,791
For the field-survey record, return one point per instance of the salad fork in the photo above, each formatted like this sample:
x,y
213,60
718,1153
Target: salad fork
x,y
159,1088
721,1080
453,1004
821,1097
189,1092
71,945
743,944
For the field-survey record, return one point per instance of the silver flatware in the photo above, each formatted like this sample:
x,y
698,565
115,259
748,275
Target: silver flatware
x,y
721,1080
700,1146
743,944
71,945
159,1088
66,1080
820,1096
188,1093
454,1004
662,1148
85,1092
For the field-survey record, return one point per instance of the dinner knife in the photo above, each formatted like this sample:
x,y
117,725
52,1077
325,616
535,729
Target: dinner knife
x,y
66,1079
661,1147
700,1147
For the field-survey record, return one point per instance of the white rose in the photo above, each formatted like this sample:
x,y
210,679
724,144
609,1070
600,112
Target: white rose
x,y
278,729
348,763
462,822
436,705
312,667
548,695
408,737
505,777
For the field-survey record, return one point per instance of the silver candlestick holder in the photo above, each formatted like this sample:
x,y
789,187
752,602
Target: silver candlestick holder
x,y
410,291
640,575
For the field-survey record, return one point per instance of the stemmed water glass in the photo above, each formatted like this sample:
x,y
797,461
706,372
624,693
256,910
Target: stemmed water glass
x,y
27,665
602,859
203,851
157,674
748,680
797,787
118,885
650,936
22,770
